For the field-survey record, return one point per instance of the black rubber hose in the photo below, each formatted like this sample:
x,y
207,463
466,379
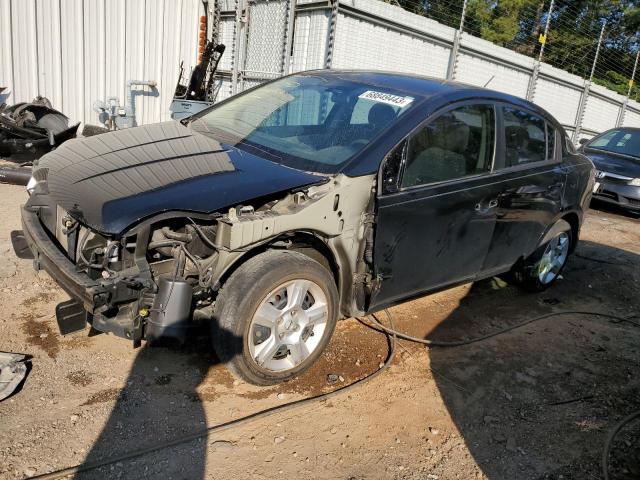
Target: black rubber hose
x,y
438,343
181,237
612,434
15,176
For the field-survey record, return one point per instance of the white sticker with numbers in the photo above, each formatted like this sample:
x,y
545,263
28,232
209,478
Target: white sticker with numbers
x,y
388,98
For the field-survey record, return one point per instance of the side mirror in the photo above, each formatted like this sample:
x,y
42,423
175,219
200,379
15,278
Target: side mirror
x,y
583,141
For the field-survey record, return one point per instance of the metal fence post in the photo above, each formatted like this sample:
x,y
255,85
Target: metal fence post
x,y
531,91
288,37
623,107
331,38
587,87
235,46
455,48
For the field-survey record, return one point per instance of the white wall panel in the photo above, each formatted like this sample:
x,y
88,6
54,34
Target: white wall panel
x,y
480,71
78,51
358,45
310,40
48,35
6,51
599,112
559,99
72,61
24,44
94,55
632,118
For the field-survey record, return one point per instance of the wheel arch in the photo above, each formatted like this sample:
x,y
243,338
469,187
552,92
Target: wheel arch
x,y
311,244
573,219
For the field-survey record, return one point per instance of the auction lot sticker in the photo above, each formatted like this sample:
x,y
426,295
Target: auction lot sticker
x,y
388,98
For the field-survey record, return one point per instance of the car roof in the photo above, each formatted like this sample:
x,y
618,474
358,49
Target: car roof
x,y
420,85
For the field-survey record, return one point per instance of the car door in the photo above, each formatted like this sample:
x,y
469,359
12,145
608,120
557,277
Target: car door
x,y
533,179
436,207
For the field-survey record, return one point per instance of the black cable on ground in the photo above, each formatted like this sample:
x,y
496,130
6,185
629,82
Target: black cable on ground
x,y
227,425
459,343
612,434
392,336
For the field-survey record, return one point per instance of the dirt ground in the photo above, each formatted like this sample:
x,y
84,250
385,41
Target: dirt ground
x,y
535,403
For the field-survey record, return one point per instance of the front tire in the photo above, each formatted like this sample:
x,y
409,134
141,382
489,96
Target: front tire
x,y
541,269
274,316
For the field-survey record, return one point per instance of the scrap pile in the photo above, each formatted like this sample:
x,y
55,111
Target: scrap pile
x,y
198,91
13,370
32,129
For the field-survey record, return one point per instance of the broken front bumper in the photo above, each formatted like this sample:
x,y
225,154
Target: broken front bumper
x,y
47,256
104,303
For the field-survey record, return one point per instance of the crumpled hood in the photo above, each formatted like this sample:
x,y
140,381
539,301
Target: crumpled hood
x,y
112,181
614,163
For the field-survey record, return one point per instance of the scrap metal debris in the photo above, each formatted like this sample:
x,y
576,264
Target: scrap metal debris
x,y
13,369
33,128
15,175
198,92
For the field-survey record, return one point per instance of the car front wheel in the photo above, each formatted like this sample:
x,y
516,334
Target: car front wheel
x,y
274,316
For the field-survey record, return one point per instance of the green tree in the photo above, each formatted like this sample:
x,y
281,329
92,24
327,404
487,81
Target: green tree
x,y
574,29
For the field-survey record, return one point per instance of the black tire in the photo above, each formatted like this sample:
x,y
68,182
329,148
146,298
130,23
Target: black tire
x,y
242,294
528,274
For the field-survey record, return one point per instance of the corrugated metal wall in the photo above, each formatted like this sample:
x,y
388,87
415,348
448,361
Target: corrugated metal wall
x,y
78,51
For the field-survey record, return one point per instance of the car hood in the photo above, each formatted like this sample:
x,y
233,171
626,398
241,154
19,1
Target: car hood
x,y
614,163
112,181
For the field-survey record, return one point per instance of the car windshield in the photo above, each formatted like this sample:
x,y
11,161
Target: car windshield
x,y
624,142
308,122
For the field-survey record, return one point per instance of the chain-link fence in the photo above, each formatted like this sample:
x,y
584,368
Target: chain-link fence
x,y
576,58
596,40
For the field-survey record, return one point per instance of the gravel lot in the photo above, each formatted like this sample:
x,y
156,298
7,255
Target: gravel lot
x,y
531,404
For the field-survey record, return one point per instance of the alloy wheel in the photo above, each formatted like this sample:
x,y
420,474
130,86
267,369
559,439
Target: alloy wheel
x,y
288,325
554,258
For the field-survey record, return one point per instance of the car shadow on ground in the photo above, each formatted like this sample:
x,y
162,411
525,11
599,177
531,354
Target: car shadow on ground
x,y
158,404
538,402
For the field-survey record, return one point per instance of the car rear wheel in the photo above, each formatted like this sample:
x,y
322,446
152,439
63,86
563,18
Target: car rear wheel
x,y
544,266
274,316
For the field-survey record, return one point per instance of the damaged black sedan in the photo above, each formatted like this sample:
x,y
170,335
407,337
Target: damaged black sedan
x,y
318,196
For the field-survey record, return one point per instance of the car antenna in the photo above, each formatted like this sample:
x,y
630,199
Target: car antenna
x,y
488,81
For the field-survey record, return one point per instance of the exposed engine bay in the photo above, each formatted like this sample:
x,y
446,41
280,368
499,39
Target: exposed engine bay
x,y
150,282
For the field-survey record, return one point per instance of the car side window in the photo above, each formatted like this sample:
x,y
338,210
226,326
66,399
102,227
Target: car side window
x,y
456,144
525,137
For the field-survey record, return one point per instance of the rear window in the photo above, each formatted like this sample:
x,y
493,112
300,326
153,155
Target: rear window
x,y
525,137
